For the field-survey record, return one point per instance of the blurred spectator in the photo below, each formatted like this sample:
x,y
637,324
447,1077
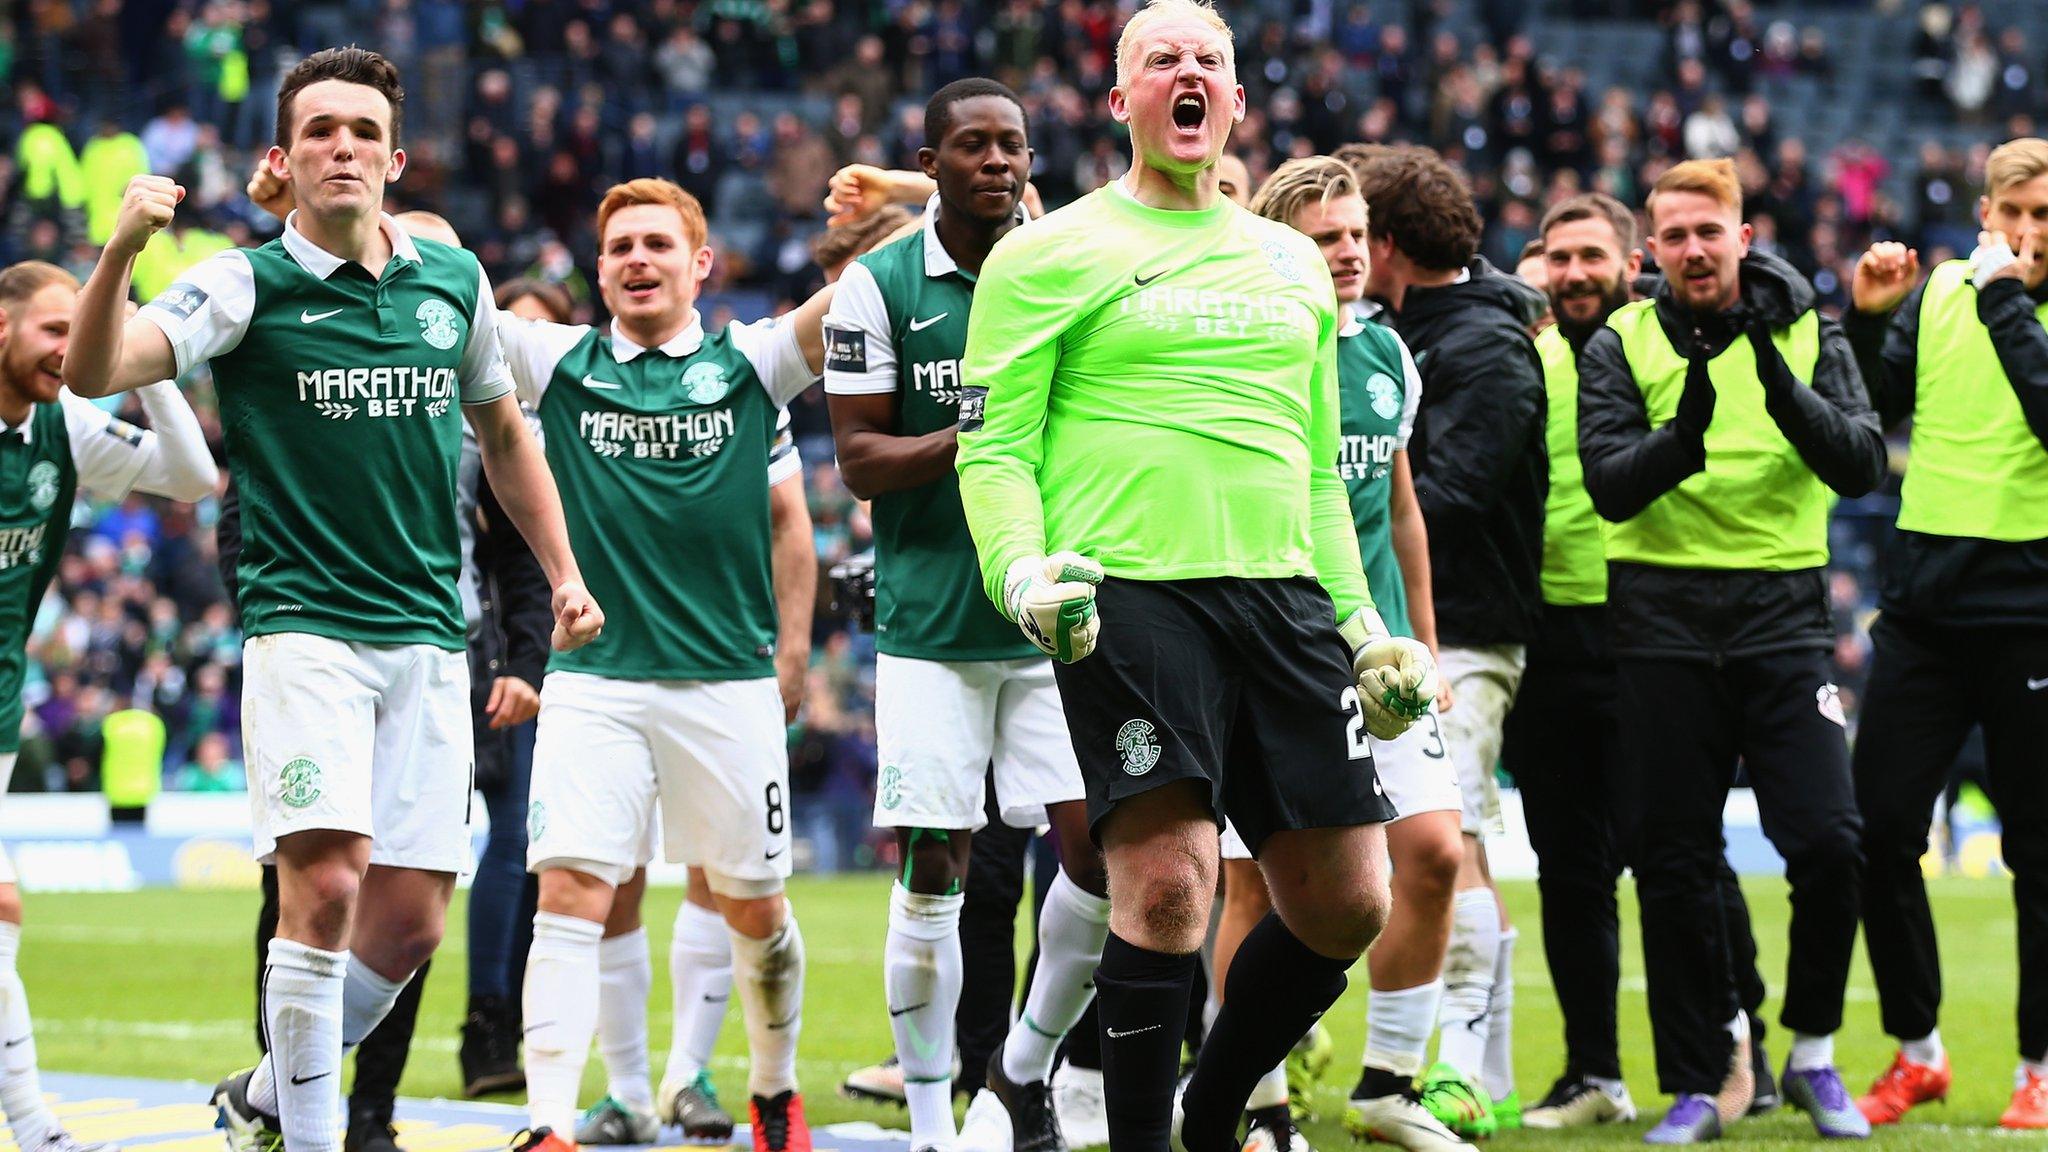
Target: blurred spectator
x,y
170,138
211,769
111,159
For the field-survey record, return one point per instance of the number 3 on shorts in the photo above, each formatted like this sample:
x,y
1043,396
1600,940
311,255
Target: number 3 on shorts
x,y
1354,728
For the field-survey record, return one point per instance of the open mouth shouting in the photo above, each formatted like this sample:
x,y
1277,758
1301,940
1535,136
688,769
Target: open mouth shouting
x,y
1190,111
640,290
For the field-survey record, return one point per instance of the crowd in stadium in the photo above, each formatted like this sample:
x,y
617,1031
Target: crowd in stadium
x,y
559,101
1610,526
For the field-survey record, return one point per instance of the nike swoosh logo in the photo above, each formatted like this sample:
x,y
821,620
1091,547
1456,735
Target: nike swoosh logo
x,y
310,1079
1116,1035
912,1008
2034,685
779,1025
20,1040
532,1028
592,382
774,854
1144,280
921,325
311,317
717,999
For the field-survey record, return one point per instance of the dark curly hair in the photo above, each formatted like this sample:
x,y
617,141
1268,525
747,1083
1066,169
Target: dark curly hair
x,y
351,65
1422,204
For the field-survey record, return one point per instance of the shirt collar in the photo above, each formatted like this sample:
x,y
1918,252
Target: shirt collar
x,y
1355,316
322,263
937,261
679,345
27,427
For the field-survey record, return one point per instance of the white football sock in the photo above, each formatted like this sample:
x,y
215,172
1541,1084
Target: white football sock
x,y
560,1005
1926,1051
770,977
2026,1068
921,976
1270,1091
1071,929
366,998
1397,1027
1499,1072
304,993
1810,1052
1468,980
700,977
21,1088
625,974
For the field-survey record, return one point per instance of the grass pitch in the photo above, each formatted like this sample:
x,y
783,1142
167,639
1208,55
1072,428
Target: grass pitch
x,y
160,984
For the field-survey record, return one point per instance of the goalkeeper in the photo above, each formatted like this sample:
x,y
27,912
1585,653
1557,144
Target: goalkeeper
x,y
1159,417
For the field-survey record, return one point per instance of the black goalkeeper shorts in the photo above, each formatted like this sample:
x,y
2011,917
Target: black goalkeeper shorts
x,y
1241,684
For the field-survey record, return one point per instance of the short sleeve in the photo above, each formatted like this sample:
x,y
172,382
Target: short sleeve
x,y
1411,393
860,346
109,453
482,372
205,312
532,350
771,347
783,459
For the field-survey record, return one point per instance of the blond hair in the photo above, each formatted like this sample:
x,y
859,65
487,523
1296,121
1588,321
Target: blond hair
x,y
1156,10
2014,163
649,190
20,281
1714,179
1300,182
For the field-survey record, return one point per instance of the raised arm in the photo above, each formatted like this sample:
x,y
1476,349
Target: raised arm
x,y
110,353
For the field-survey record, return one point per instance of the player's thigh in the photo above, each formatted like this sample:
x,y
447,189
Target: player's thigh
x,y
1483,685
1795,751
935,725
1919,704
1034,753
2015,695
309,723
1299,756
10,895
592,797
1152,704
723,767
424,763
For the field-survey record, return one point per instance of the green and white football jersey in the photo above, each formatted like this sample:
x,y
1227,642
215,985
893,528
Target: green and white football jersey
x,y
339,399
60,450
898,326
1380,391
663,457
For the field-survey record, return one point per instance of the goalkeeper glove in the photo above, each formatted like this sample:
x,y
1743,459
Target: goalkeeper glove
x,y
1396,674
1052,598
1991,257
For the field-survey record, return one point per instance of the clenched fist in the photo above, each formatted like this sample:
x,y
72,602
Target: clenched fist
x,y
1884,276
578,619
146,209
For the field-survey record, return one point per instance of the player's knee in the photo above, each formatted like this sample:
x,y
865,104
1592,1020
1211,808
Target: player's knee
x,y
1170,904
755,909
932,861
1347,930
1429,868
566,890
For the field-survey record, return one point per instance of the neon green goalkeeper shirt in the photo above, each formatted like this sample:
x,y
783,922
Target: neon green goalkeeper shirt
x,y
1157,390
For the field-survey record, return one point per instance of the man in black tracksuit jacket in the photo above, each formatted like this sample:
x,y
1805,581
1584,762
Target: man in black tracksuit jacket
x,y
1563,741
1963,635
1481,474
1713,421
